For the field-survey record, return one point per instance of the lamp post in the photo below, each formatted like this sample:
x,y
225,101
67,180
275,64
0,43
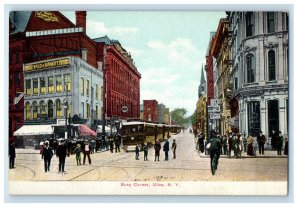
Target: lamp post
x,y
66,112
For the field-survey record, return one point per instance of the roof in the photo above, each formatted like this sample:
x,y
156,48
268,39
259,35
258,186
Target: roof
x,y
32,130
19,20
106,40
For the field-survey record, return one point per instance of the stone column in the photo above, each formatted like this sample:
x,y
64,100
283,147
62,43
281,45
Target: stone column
x,y
280,63
261,60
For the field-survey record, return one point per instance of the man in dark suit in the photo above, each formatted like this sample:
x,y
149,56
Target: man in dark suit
x,y
12,155
61,153
166,149
261,139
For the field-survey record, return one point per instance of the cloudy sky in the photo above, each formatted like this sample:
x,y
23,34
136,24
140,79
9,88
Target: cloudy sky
x,y
168,49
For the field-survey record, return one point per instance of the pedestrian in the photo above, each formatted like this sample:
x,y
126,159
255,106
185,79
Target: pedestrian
x,y
55,144
86,152
77,152
230,145
274,136
250,150
261,139
12,155
41,147
117,142
61,153
214,148
166,149
201,142
111,144
174,146
245,143
137,152
279,143
47,155
145,148
225,147
286,145
157,147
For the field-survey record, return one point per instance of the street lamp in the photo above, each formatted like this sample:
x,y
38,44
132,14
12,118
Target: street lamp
x,y
66,117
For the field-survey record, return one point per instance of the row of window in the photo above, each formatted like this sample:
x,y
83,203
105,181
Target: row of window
x,y
32,111
51,84
85,88
250,23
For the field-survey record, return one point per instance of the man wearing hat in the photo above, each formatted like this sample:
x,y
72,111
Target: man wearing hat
x,y
47,155
279,143
61,153
77,152
174,146
261,139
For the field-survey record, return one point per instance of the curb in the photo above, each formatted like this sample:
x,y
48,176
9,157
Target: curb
x,y
232,157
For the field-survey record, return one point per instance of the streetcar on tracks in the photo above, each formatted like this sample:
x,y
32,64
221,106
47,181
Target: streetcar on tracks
x,y
141,132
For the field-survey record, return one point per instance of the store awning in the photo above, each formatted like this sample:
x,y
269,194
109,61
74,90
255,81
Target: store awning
x,y
33,130
84,130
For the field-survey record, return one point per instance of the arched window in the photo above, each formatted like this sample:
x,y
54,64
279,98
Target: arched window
x,y
271,61
250,64
58,108
35,110
249,24
43,108
50,109
28,111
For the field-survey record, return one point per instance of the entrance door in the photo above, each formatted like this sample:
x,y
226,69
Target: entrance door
x,y
273,116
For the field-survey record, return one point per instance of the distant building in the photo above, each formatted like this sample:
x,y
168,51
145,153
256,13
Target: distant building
x,y
167,116
150,110
161,113
141,111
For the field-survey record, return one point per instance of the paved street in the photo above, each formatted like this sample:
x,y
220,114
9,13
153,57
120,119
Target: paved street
x,y
189,166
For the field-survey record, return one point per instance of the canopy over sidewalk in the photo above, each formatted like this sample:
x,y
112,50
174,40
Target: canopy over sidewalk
x,y
33,130
84,130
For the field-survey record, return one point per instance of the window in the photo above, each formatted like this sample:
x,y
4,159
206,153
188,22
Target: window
x,y
59,84
42,85
97,92
287,21
43,108
82,86
58,109
250,64
271,21
88,114
28,111
35,110
35,86
271,61
235,83
17,79
67,81
50,109
50,85
249,24
253,118
96,111
273,115
87,87
82,109
28,87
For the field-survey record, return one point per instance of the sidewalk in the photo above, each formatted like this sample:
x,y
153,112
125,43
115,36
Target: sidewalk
x,y
267,154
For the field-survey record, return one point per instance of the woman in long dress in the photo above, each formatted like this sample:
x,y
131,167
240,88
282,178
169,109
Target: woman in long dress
x,y
250,150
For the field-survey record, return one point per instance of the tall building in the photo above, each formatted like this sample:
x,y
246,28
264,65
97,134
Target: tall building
x,y
150,110
36,36
209,70
260,54
221,51
121,79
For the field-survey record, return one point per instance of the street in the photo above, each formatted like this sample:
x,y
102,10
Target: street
x,y
189,166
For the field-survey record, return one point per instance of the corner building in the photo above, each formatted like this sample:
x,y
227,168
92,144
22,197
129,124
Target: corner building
x,y
260,53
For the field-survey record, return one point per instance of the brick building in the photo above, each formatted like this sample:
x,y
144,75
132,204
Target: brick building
x,y
209,70
121,79
150,110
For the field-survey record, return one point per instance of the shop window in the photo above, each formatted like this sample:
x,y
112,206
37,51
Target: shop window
x,y
253,118
273,116
35,86
27,111
35,110
43,108
58,109
50,109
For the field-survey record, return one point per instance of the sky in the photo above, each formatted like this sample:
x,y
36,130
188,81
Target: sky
x,y
168,48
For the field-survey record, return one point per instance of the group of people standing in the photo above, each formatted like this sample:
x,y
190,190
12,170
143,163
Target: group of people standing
x,y
157,148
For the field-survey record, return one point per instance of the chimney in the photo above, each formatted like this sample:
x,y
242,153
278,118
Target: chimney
x,y
81,19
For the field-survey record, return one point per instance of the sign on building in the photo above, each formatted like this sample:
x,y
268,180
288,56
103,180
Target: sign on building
x,y
213,109
215,116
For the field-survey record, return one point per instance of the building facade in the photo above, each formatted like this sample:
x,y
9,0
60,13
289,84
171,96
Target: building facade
x,y
150,110
161,113
209,68
36,36
121,79
221,50
260,71
61,88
